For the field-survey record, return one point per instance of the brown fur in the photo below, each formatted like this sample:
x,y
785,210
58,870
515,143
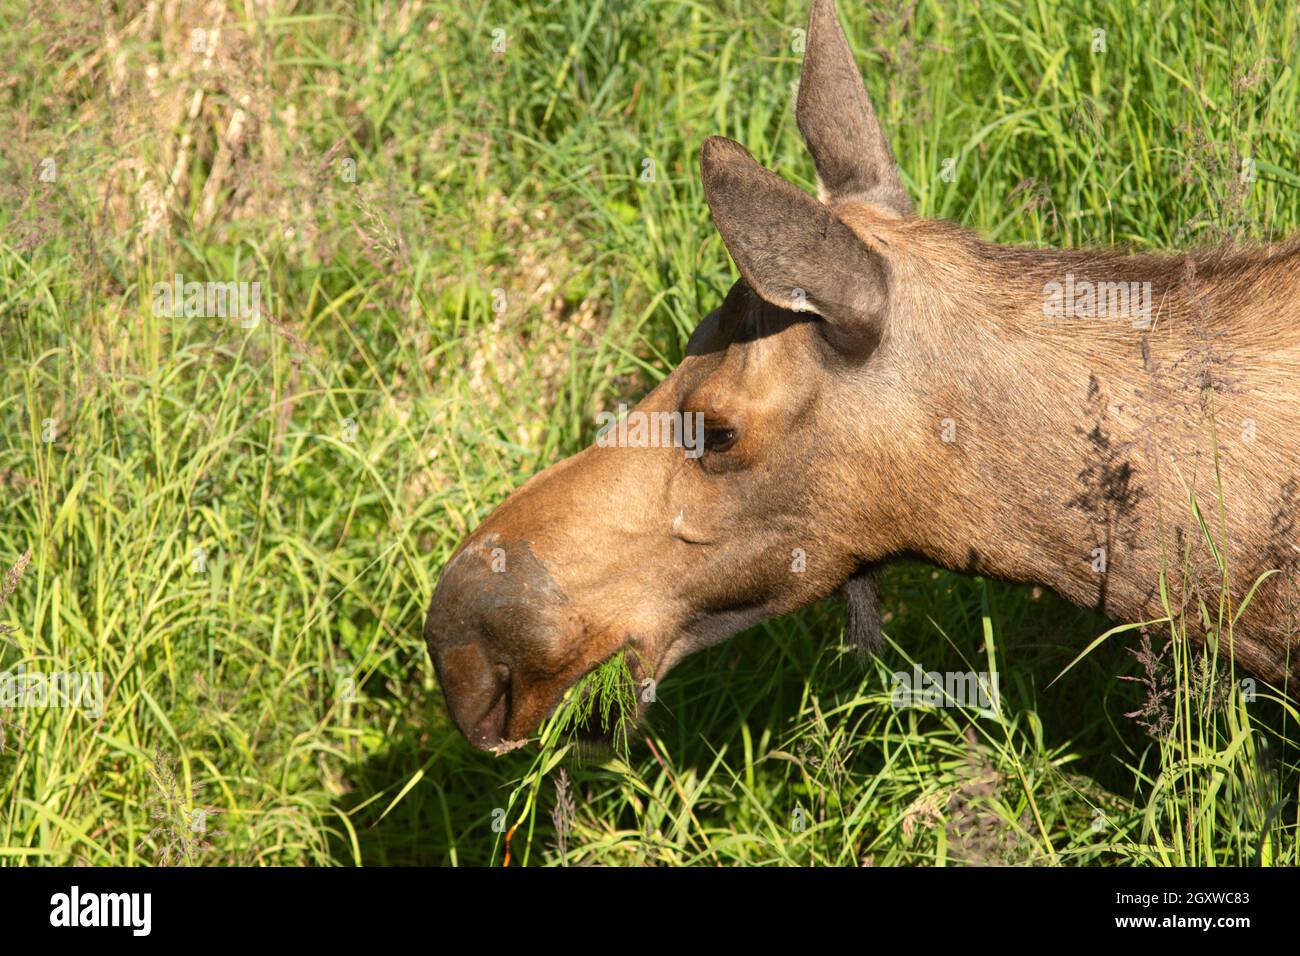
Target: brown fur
x,y
891,386
1077,433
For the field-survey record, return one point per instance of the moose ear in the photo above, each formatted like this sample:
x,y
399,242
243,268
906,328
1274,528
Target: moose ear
x,y
791,249
839,126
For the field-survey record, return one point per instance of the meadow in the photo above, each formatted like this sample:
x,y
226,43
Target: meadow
x,y
474,227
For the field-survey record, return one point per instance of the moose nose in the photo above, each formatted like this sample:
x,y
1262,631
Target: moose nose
x,y
487,612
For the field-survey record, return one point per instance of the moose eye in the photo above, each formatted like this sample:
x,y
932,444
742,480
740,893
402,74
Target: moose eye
x,y
718,438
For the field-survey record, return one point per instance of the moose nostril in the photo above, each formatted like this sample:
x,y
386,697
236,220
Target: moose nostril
x,y
490,728
502,674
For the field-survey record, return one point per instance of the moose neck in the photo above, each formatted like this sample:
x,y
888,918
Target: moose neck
x,y
1031,483
1063,437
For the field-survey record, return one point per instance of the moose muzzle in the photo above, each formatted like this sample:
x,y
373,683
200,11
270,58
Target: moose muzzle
x,y
482,630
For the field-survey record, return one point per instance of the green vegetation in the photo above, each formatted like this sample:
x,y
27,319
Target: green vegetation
x,y
465,253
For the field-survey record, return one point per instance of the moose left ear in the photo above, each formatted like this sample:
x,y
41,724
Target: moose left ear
x,y
862,630
791,249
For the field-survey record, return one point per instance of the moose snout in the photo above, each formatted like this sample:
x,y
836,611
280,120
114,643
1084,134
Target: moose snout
x,y
492,602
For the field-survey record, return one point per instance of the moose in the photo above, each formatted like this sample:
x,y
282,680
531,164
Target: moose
x,y
877,386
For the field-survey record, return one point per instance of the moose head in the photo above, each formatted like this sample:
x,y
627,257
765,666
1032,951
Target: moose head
x,y
819,395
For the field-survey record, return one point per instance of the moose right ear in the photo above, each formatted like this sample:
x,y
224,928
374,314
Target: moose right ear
x,y
838,123
791,249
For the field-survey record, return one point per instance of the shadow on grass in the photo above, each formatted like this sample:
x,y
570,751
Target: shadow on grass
x,y
760,681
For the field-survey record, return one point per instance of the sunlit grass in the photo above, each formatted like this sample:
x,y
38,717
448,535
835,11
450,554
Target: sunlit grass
x,y
241,527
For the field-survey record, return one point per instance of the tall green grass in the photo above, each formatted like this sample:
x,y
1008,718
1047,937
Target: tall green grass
x,y
240,528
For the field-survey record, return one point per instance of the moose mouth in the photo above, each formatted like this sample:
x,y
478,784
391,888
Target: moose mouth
x,y
609,704
595,721
607,723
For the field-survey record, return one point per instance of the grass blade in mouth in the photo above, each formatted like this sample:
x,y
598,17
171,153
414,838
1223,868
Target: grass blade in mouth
x,y
603,702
